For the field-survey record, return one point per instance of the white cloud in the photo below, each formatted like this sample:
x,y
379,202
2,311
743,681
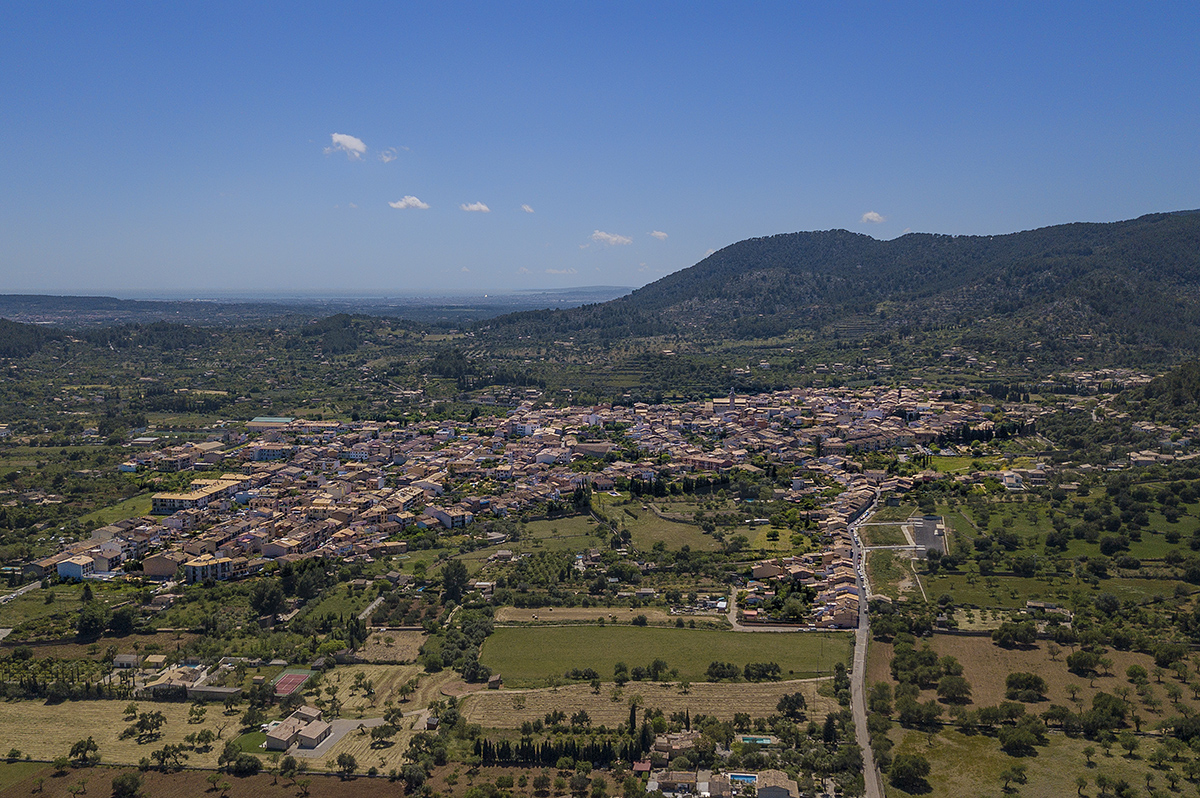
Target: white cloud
x,y
352,205
409,202
388,155
353,147
527,209
708,252
561,271
465,269
659,234
612,239
872,217
477,207
522,270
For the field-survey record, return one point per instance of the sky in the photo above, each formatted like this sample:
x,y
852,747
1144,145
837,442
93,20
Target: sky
x,y
212,148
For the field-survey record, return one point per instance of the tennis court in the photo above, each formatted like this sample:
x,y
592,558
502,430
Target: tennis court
x,y
290,681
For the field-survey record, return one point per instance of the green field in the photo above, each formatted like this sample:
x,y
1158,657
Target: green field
x,y
648,529
1013,591
15,772
883,535
251,742
529,657
130,508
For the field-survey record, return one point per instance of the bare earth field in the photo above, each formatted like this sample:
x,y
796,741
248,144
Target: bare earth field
x,y
190,784
508,709
576,614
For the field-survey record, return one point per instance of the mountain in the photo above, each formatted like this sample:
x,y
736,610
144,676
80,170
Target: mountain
x,y
1137,281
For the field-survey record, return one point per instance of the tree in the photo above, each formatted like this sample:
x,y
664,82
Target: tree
x,y
454,580
346,764
92,620
127,785
1080,783
908,772
82,752
267,597
954,689
1016,772
792,705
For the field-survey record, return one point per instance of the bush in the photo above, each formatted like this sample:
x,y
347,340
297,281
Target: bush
x,y
126,785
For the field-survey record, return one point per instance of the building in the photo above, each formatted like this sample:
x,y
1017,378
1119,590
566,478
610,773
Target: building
x,y
78,567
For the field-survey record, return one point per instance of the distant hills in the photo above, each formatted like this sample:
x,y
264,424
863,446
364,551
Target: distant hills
x,y
1136,281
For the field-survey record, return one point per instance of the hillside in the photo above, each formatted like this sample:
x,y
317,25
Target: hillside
x,y
1138,280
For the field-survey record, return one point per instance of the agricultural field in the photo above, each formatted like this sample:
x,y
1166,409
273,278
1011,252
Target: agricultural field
x,y
20,780
529,656
508,709
971,764
552,615
1012,592
59,726
385,681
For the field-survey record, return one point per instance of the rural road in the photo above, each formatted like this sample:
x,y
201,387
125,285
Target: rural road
x,y
858,677
21,591
365,614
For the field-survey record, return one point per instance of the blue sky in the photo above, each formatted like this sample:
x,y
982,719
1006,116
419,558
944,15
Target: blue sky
x,y
231,147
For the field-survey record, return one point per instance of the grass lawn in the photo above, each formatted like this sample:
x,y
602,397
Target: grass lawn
x,y
251,742
529,656
134,507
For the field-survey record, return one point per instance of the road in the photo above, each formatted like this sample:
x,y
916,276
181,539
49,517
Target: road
x,y
21,591
858,676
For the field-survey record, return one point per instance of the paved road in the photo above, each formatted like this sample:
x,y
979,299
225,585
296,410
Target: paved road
x,y
21,591
858,677
365,614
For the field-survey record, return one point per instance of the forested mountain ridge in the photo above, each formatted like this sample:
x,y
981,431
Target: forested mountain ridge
x,y
1138,278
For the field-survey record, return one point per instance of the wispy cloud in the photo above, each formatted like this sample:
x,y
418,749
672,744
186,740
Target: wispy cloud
x,y
408,202
388,155
708,252
475,207
465,269
612,239
522,270
659,234
871,217
561,271
527,209
353,147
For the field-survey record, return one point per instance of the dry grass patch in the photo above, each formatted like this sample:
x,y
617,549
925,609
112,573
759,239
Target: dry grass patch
x,y
385,679
45,732
508,709
404,646
986,666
